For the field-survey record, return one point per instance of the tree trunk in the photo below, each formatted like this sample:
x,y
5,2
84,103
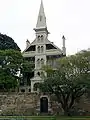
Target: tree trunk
x,y
67,112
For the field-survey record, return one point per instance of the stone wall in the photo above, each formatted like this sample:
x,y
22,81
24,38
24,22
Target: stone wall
x,y
29,104
18,103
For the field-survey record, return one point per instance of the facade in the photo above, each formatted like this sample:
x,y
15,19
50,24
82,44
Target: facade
x,y
41,51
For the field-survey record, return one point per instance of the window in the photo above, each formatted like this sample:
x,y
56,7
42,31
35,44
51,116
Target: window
x,y
29,90
42,61
41,37
22,90
38,49
38,73
38,63
42,48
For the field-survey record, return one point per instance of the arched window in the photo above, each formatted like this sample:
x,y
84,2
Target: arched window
x,y
42,48
42,61
38,63
38,49
38,73
41,37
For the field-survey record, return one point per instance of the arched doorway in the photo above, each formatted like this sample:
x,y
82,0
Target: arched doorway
x,y
44,105
36,86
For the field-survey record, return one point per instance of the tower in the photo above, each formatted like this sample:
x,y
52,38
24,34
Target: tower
x,y
41,36
41,50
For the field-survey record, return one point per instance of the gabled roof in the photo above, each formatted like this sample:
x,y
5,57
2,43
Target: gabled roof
x,y
47,42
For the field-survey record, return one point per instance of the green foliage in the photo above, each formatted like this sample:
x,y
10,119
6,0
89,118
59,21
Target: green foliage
x,y
7,42
7,81
27,69
10,63
69,81
27,66
11,60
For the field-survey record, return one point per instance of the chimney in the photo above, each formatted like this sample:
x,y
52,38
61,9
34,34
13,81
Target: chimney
x,y
64,48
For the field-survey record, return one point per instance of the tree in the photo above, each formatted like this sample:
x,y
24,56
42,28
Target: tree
x,y
7,81
7,42
10,63
14,69
27,71
69,81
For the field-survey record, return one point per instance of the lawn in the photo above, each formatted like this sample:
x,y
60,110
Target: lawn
x,y
73,118
27,118
42,118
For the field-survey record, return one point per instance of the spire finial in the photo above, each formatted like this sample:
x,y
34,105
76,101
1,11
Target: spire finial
x,y
63,37
41,22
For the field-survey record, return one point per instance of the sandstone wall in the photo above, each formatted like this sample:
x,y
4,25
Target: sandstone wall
x,y
28,104
18,103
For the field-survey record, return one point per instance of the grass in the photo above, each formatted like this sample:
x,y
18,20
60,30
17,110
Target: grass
x,y
43,118
73,118
27,117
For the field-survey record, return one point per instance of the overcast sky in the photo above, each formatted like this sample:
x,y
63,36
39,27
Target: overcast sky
x,y
70,18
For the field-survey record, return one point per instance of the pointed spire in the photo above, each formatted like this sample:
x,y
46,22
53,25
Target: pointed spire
x,y
41,22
